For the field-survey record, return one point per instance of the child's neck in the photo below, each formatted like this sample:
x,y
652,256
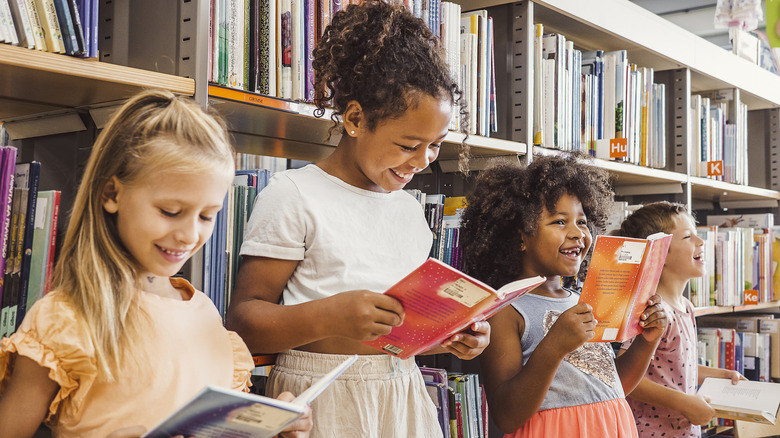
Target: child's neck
x,y
671,290
550,288
161,286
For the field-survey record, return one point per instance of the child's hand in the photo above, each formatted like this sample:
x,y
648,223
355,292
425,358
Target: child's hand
x,y
361,314
698,411
301,427
653,320
572,329
469,343
734,376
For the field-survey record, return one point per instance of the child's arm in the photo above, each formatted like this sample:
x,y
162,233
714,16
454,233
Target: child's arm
x,y
516,391
466,344
695,408
631,365
720,373
24,405
301,427
268,327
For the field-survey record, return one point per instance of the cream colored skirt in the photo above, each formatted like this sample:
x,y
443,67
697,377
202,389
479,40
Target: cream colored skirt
x,y
379,396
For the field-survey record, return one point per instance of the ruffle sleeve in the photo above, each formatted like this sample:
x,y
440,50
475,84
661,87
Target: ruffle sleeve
x,y
242,363
51,336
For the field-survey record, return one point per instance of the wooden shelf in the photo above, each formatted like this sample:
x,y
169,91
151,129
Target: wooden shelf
x,y
713,310
270,126
33,82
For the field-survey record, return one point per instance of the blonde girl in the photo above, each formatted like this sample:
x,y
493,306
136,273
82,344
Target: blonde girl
x,y
119,344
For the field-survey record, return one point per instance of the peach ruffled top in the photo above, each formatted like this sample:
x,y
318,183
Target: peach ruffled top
x,y
185,347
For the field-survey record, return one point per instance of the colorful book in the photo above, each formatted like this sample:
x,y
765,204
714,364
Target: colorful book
x,y
440,301
218,412
42,228
747,400
623,274
7,165
26,179
55,217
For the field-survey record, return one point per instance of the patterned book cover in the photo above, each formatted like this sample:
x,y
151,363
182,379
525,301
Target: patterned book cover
x,y
263,60
7,165
623,274
440,301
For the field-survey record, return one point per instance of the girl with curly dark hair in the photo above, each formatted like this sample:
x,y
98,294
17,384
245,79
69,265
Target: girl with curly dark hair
x,y
541,377
665,401
323,239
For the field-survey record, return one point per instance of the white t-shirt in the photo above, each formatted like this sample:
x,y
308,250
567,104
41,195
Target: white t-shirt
x,y
346,238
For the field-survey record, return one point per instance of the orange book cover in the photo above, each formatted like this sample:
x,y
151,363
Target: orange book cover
x,y
623,274
440,301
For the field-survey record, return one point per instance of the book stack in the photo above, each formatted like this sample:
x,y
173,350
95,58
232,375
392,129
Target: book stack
x,y
265,46
59,26
740,342
28,226
740,256
584,100
719,138
443,216
460,402
221,251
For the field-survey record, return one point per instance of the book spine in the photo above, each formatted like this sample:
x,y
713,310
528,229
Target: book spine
x,y
55,216
65,21
93,24
78,27
35,24
22,21
6,203
7,25
27,241
51,28
311,36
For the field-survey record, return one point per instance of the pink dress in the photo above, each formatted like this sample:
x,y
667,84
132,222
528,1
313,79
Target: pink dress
x,y
675,366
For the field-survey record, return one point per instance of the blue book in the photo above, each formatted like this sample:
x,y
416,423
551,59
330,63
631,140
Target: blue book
x,y
65,21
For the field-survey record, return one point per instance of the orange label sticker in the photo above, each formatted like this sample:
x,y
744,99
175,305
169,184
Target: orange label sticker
x,y
618,148
751,296
714,168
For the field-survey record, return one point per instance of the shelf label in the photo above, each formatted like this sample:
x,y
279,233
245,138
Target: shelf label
x,y
618,148
715,168
751,296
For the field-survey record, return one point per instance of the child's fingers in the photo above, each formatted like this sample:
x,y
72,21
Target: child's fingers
x,y
391,305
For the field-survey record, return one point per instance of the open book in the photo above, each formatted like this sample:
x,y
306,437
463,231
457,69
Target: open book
x,y
218,412
623,274
747,400
440,301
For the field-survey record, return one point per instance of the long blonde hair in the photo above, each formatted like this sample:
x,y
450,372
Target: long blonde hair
x,y
153,132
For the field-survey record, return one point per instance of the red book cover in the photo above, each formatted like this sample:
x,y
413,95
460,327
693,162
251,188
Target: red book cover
x,y
440,301
623,274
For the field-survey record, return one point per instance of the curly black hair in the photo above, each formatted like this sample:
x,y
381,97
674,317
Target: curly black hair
x,y
508,199
653,218
380,55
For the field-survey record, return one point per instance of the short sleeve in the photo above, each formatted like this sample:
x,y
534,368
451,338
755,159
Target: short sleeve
x,y
277,225
242,363
51,336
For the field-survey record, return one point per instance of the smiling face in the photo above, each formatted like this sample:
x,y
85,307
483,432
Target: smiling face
x,y
162,224
386,158
560,241
685,259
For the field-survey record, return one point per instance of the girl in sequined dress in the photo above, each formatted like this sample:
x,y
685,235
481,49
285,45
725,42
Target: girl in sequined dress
x,y
541,377
665,401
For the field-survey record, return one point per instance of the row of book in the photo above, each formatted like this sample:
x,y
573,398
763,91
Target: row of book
x,y
584,100
719,138
221,252
741,252
28,230
460,401
746,343
58,26
265,46
443,216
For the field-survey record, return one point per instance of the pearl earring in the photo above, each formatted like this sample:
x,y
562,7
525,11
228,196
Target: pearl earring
x,y
352,132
